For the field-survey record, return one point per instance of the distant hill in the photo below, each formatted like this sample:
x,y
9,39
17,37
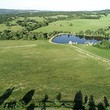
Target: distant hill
x,y
12,11
106,11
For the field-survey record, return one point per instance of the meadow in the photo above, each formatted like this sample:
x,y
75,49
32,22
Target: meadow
x,y
76,25
105,53
50,69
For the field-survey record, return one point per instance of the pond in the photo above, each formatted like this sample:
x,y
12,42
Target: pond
x,y
65,39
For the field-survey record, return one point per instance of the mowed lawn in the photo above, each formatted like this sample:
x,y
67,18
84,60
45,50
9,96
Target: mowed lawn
x,y
50,69
76,25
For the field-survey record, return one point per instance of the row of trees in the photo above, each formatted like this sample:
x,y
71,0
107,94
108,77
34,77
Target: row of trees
x,y
78,103
105,44
25,35
4,17
31,24
102,32
89,103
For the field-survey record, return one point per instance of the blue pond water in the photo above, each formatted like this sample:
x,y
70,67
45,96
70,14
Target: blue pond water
x,y
64,39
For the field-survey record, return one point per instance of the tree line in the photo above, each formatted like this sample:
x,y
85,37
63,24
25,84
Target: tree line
x,y
104,44
26,35
28,103
101,32
6,14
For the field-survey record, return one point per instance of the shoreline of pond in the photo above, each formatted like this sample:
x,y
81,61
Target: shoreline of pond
x,y
100,38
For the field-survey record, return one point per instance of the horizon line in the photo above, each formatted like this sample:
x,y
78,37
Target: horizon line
x,y
51,10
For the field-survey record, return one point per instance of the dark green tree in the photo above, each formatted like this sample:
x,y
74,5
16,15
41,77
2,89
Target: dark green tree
x,y
45,35
44,102
58,97
78,101
85,99
82,33
88,32
45,98
101,106
91,103
106,101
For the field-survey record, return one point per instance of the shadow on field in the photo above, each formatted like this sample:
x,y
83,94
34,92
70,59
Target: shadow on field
x,y
31,107
27,97
6,95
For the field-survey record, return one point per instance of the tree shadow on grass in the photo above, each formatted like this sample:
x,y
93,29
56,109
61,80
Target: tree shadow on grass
x,y
27,97
6,95
31,107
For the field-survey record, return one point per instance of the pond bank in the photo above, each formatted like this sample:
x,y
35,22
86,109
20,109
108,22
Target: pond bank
x,y
65,38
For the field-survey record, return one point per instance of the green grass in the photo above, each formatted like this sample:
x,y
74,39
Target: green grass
x,y
56,16
17,28
39,19
77,25
50,69
3,27
13,28
98,51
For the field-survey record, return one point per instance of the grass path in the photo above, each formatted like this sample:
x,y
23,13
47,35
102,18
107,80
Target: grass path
x,y
96,57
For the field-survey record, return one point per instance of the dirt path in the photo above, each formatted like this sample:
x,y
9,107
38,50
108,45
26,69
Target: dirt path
x,y
96,57
8,47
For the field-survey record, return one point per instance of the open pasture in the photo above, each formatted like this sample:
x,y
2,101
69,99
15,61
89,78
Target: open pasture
x,y
49,69
76,25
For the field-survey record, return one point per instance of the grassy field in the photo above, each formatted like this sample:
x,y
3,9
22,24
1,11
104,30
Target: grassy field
x,y
77,25
98,51
13,28
50,69
74,25
2,27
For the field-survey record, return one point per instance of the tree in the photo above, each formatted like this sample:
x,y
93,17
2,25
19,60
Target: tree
x,y
45,98
82,33
85,99
78,101
88,32
44,102
45,35
70,24
58,97
106,101
101,106
91,103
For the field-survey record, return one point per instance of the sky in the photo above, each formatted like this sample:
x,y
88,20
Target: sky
x,y
56,5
